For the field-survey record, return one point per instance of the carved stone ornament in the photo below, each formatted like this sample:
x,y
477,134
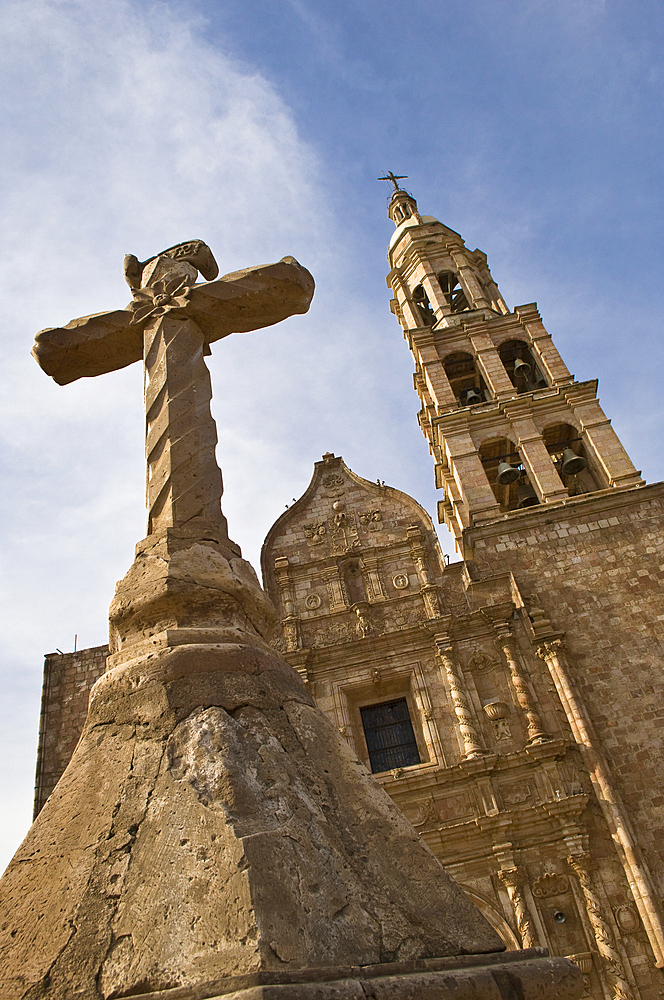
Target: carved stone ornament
x,y
371,519
480,661
427,814
334,484
550,884
315,533
517,793
627,918
501,730
164,296
400,581
496,709
312,602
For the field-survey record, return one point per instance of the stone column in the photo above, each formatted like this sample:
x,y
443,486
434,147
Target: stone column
x,y
612,966
467,276
433,371
601,440
524,696
538,462
489,363
470,733
545,351
638,876
513,879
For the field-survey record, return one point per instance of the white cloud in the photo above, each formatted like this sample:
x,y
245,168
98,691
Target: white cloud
x,y
127,132
124,132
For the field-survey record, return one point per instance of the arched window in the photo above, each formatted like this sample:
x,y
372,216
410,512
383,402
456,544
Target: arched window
x,y
466,382
520,366
421,300
564,444
507,477
453,292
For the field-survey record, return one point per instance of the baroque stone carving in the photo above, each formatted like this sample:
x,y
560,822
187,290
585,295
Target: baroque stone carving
x,y
426,815
627,918
513,879
334,485
515,794
371,519
312,602
344,532
400,581
482,662
550,884
402,619
524,696
612,965
468,729
315,533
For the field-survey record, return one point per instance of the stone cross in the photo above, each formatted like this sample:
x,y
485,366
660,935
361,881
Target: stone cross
x,y
170,324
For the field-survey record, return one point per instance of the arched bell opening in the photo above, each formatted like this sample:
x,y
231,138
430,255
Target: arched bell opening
x,y
421,300
507,476
466,382
520,365
565,445
454,293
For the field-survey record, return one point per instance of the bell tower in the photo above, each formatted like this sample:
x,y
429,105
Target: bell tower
x,y
507,424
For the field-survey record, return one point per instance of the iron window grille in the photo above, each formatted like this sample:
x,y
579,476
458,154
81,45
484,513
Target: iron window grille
x,y
390,736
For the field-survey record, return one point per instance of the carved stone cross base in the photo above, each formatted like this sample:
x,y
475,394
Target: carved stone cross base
x,y
212,823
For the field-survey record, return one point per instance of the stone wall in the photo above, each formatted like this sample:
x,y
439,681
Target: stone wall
x,y
68,678
596,568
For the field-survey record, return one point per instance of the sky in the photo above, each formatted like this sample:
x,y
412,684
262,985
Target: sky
x,y
532,127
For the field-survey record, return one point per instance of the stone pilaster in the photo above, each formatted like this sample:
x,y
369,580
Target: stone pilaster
x,y
289,622
613,970
335,588
427,589
618,822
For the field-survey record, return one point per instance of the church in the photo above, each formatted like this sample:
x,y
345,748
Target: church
x,y
511,703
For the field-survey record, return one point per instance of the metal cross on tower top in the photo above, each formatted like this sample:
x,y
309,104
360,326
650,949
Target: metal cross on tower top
x,y
393,178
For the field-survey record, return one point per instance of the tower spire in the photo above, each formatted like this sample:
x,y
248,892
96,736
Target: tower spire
x,y
402,206
508,425
393,178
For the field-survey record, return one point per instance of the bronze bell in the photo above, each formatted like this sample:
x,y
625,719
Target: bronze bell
x,y
507,474
521,368
526,496
471,397
572,463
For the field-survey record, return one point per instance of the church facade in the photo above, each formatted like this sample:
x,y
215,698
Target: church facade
x,y
511,703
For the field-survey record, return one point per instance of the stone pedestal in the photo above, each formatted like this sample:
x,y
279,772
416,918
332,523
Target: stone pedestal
x,y
215,835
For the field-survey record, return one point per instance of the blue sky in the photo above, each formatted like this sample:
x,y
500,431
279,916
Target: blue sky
x,y
532,128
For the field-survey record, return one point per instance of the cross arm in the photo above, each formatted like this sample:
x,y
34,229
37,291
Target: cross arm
x,y
91,345
251,299
238,302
